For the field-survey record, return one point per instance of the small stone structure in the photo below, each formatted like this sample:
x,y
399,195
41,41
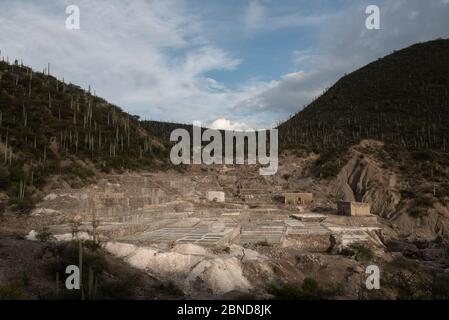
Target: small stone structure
x,y
309,237
218,196
208,211
309,217
293,199
353,209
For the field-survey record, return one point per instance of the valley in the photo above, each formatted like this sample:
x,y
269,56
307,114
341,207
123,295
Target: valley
x,y
227,232
360,183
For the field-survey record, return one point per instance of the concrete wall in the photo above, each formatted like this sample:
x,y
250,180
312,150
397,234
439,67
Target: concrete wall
x,y
298,198
308,242
353,208
218,196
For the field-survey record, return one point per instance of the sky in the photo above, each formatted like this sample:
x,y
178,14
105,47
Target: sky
x,y
234,64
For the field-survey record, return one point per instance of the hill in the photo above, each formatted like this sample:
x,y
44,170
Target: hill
x,y
401,99
49,127
162,130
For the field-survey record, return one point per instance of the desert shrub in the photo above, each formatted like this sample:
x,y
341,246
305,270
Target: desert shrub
x,y
19,236
439,287
22,206
362,252
423,201
67,253
308,290
44,235
120,288
408,194
4,177
12,291
410,280
301,153
170,289
263,243
278,199
285,292
329,170
420,204
423,155
25,279
417,212
109,281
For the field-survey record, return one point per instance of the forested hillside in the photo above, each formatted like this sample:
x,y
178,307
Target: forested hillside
x,y
50,127
401,99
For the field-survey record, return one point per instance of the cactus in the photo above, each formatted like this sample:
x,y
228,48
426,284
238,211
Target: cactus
x,y
30,85
57,284
25,116
22,187
80,266
90,283
6,146
95,225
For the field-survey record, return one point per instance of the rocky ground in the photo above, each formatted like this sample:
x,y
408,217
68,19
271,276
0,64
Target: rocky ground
x,y
160,237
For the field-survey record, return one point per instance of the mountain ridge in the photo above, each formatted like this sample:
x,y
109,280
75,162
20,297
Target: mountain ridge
x,y
402,98
49,127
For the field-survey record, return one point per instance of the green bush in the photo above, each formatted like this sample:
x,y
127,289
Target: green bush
x,y
170,289
44,235
22,206
4,177
329,170
122,288
309,290
12,291
263,243
67,253
413,281
417,212
362,252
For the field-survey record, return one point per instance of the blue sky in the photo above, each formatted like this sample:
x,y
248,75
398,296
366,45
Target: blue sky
x,y
230,64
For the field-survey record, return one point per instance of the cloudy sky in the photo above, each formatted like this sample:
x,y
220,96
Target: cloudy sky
x,y
230,64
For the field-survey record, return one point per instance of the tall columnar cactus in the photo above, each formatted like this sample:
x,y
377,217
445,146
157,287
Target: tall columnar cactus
x,y
25,116
80,266
22,187
57,284
30,83
90,284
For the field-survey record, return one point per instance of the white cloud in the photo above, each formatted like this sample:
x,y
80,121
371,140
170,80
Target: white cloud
x,y
254,16
260,18
344,45
149,57
226,124
154,58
